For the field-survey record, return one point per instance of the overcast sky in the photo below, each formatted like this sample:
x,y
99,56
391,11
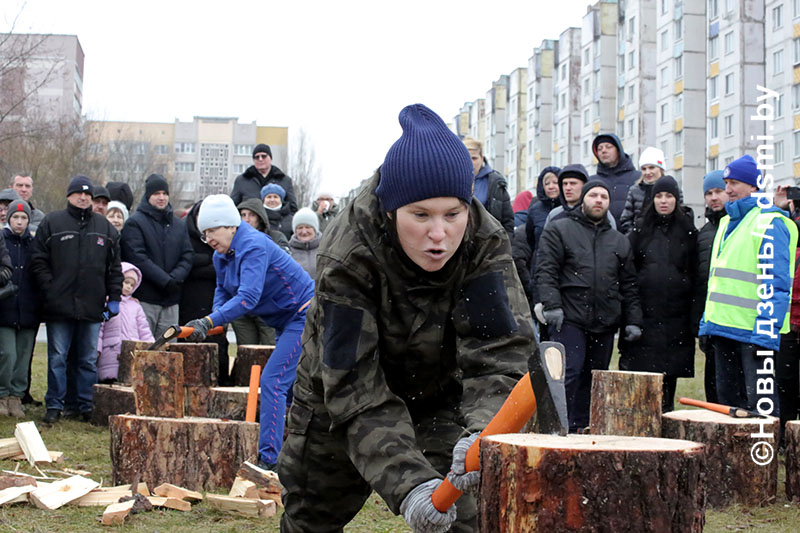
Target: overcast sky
x,y
341,70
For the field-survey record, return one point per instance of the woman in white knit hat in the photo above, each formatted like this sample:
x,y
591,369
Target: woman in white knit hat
x,y
651,164
305,240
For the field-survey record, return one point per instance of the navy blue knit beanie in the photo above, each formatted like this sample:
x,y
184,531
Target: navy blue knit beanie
x,y
743,169
427,161
79,184
155,183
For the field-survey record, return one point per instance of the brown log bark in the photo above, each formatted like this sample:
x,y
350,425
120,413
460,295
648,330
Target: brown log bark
x,y
196,401
126,355
229,403
111,400
248,355
626,403
158,384
200,365
792,440
732,474
195,453
554,484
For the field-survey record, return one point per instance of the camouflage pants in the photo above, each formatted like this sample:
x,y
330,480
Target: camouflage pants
x,y
323,491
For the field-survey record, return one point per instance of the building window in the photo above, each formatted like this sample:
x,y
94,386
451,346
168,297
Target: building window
x,y
678,25
162,149
729,43
183,166
95,148
631,126
713,9
713,127
564,71
795,97
796,137
620,96
779,106
712,163
777,17
728,125
631,58
563,103
664,76
779,152
665,148
586,118
728,6
796,50
631,28
664,6
586,91
184,148
679,67
777,61
729,84
664,113
713,47
664,40
678,137
631,93
621,62
239,168
728,160
242,149
678,105
795,8
712,87
586,56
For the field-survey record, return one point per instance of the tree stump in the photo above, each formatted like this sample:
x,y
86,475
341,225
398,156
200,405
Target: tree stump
x,y
248,355
553,484
626,403
195,401
792,439
126,355
229,403
733,475
194,453
200,363
158,384
111,400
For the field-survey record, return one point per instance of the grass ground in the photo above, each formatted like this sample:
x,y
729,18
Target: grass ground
x,y
87,448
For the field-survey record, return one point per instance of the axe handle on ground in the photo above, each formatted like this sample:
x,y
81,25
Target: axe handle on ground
x,y
252,393
719,408
516,411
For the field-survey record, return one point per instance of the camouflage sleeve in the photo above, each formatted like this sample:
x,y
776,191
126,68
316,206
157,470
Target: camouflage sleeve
x,y
379,434
495,334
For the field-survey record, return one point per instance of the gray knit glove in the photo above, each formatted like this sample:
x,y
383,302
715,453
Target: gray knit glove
x,y
632,333
419,513
461,479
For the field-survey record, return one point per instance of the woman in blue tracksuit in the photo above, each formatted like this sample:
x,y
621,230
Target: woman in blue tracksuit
x,y
256,277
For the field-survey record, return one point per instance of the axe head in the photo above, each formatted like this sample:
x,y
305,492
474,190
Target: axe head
x,y
547,368
169,334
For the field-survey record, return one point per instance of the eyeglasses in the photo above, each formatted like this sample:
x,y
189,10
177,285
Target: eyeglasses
x,y
260,156
207,234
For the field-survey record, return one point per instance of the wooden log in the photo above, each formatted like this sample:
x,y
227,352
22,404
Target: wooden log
x,y
228,402
17,494
15,481
55,457
31,443
626,403
111,400
195,400
266,479
9,448
100,498
732,475
126,356
61,492
200,364
792,441
170,503
158,384
242,506
117,512
173,491
195,453
248,355
548,483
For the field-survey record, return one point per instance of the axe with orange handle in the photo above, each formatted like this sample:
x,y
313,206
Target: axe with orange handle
x,y
540,391
735,412
179,332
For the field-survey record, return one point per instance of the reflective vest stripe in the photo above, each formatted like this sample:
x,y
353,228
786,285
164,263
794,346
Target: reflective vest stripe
x,y
738,301
733,273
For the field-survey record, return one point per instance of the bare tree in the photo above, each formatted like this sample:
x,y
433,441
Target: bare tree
x,y
303,169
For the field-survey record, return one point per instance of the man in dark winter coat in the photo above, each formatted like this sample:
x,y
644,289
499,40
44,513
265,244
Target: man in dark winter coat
x,y
157,243
490,187
715,197
615,169
587,284
571,180
262,172
76,264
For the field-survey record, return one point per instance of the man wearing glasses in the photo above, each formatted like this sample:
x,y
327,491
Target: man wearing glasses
x,y
261,173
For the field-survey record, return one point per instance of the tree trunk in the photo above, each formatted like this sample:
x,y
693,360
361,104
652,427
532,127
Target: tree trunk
x,y
554,484
111,400
229,403
626,403
732,473
248,355
200,363
126,359
194,453
158,384
792,439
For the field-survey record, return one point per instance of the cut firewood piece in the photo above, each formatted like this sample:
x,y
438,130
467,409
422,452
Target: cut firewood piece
x,y
100,498
240,487
243,506
55,457
248,355
732,473
15,481
9,448
172,491
141,488
547,483
261,494
116,513
626,403
31,443
16,494
110,400
126,356
228,402
170,503
265,479
62,492
200,365
158,384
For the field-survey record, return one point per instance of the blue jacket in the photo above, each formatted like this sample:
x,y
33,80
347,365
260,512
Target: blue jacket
x,y
491,188
778,236
256,277
22,310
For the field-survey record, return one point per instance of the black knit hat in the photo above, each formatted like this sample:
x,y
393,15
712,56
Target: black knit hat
x,y
573,171
155,183
98,191
121,192
262,149
667,184
589,185
79,184
427,161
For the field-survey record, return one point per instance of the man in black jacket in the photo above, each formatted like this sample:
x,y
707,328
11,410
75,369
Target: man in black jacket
x,y
156,241
587,285
75,261
490,186
249,183
615,169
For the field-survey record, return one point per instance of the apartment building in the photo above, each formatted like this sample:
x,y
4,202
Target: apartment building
x,y
566,98
516,131
495,118
541,66
477,120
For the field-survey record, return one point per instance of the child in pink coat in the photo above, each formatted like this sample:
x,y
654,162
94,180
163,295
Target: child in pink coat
x,y
129,324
